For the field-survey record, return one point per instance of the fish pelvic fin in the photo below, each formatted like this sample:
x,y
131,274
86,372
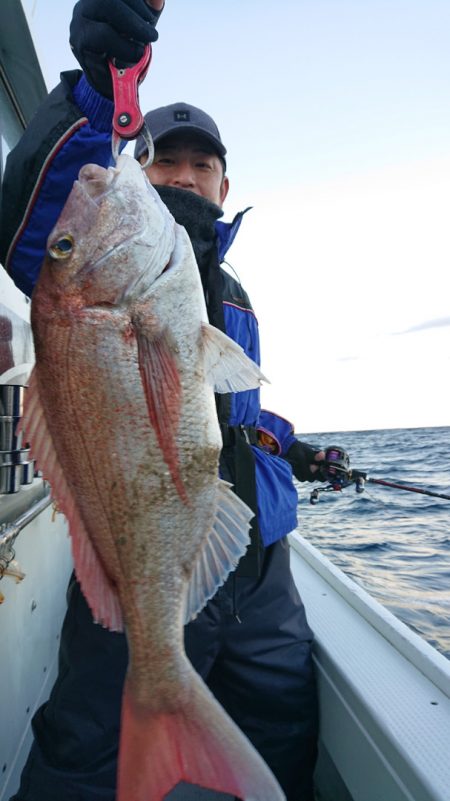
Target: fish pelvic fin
x,y
163,394
196,743
97,588
227,367
227,541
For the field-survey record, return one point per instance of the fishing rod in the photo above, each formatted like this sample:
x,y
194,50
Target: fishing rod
x,y
407,488
335,469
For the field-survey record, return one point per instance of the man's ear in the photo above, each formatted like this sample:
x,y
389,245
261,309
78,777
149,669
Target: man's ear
x,y
224,189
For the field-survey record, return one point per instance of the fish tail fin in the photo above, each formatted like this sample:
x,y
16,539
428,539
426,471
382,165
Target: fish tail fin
x,y
196,743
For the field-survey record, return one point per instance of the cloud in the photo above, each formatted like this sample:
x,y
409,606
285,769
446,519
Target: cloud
x,y
439,322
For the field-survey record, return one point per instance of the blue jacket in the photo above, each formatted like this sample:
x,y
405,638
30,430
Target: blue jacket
x,y
74,128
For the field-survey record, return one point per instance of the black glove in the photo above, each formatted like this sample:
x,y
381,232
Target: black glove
x,y
105,29
301,456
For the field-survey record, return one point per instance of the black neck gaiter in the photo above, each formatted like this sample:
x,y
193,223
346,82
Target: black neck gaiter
x,y
198,216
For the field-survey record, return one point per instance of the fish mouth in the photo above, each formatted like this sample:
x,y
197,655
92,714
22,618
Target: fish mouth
x,y
97,181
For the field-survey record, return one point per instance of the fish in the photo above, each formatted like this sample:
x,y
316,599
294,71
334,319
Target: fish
x,y
121,419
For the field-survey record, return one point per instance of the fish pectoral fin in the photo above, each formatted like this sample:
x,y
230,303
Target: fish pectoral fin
x,y
163,393
96,586
227,367
226,542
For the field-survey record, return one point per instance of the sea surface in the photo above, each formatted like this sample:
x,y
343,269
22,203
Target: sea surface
x,y
394,543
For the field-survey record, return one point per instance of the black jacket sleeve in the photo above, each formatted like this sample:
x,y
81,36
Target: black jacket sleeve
x,y
26,163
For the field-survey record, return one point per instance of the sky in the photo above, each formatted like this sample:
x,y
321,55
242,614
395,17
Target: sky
x,y
336,118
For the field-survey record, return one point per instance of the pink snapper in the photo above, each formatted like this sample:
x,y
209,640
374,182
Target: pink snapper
x,y
122,421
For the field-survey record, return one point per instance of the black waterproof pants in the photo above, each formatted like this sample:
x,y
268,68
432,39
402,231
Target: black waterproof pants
x,y
251,644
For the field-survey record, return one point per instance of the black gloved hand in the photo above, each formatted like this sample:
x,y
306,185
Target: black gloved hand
x,y
302,457
105,29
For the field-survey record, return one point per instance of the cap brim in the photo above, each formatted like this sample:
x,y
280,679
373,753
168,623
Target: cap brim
x,y
141,146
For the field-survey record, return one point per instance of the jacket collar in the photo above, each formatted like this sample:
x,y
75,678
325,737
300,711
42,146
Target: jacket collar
x,y
226,232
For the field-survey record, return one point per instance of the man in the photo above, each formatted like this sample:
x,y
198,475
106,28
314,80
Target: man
x,y
252,642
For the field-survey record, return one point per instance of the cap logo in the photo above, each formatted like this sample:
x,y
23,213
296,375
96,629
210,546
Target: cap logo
x,y
181,116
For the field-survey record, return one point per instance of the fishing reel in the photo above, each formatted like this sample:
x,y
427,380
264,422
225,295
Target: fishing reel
x,y
335,469
336,465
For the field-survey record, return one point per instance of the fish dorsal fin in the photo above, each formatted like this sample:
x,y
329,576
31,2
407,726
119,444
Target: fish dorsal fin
x,y
227,541
227,367
97,588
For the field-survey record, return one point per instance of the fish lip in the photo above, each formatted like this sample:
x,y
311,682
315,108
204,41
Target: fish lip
x,y
110,183
83,182
87,175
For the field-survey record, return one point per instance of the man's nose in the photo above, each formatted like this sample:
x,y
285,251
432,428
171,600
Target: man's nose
x,y
183,175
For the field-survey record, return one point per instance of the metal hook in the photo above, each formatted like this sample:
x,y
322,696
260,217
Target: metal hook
x,y
147,137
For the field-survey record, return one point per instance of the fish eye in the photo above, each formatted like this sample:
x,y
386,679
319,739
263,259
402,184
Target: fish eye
x,y
62,248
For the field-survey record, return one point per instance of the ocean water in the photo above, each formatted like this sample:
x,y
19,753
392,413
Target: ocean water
x,y
394,543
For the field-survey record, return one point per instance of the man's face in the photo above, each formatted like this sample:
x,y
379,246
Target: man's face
x,y
188,161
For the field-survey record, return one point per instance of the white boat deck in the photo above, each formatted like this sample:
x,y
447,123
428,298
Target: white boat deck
x,y
384,692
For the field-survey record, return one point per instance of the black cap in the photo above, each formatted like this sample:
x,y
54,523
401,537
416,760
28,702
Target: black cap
x,y
166,120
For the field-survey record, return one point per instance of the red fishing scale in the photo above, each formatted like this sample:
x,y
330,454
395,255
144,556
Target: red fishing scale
x,y
128,120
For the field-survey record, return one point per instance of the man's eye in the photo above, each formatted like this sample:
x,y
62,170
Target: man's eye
x,y
164,160
204,165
